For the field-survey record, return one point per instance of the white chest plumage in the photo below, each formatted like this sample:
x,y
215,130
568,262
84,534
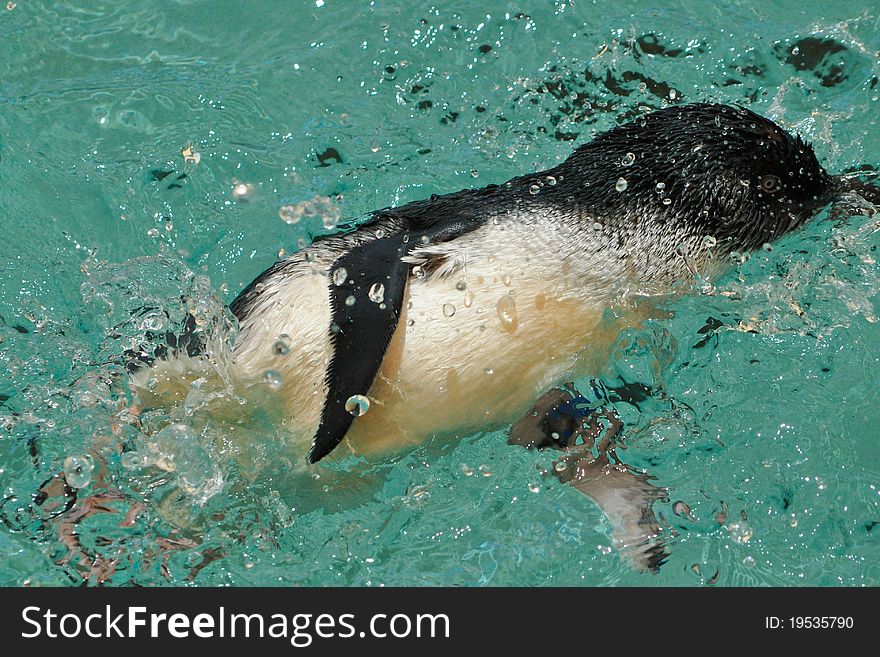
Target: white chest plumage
x,y
510,312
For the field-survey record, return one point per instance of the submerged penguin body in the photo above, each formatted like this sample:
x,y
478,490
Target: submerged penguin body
x,y
451,315
468,311
507,315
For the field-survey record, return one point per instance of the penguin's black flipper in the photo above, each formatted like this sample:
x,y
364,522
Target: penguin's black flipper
x,y
365,303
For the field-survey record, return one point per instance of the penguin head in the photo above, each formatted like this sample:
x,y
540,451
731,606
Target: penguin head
x,y
706,170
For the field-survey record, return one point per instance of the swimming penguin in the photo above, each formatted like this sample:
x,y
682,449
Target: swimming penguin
x,y
455,314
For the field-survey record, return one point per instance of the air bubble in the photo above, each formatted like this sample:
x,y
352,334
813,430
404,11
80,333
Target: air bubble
x,y
628,160
621,185
534,189
377,293
281,347
448,310
78,470
506,309
273,378
357,405
242,191
290,214
349,300
740,532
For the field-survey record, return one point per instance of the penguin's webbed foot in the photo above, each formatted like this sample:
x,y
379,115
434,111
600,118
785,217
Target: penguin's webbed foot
x,y
565,420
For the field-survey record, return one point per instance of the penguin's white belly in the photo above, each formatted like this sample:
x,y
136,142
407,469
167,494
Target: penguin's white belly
x,y
478,340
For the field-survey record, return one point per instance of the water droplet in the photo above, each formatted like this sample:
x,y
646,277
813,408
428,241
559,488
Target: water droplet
x,y
534,189
78,470
667,201
560,466
290,214
597,226
273,378
189,155
740,532
485,471
489,370
153,232
767,247
621,185
377,293
551,181
718,120
448,310
709,242
153,322
506,309
468,299
461,285
466,470
534,488
506,279
749,562
339,276
349,300
357,405
660,186
281,347
241,191
628,160
132,460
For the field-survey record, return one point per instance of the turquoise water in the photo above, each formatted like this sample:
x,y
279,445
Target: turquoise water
x,y
149,152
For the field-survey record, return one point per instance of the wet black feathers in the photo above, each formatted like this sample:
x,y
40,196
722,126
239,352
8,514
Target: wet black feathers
x,y
366,304
365,309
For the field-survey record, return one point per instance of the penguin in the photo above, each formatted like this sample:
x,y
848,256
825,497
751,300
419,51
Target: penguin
x,y
461,312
